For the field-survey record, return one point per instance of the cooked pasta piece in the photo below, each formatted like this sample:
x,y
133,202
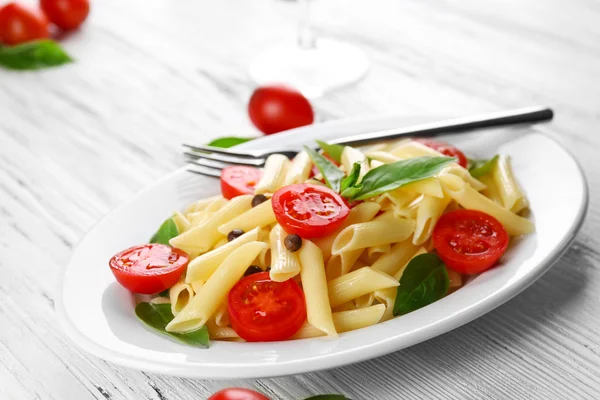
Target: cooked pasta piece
x,y
363,212
196,285
364,300
217,332
213,293
429,211
340,264
314,284
345,321
456,280
350,156
284,263
181,222
180,295
429,187
469,198
221,316
462,173
203,237
160,300
299,169
399,201
259,216
382,156
376,251
382,230
355,284
202,204
203,266
509,190
400,254
273,175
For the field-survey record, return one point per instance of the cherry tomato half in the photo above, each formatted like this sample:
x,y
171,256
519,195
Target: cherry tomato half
x,y
274,109
19,24
66,14
469,241
237,394
309,210
446,149
238,180
148,268
262,310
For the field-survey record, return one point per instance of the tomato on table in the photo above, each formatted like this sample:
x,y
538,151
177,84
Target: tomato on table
x,y
237,180
148,268
262,310
469,241
309,211
19,24
66,14
446,149
237,394
274,109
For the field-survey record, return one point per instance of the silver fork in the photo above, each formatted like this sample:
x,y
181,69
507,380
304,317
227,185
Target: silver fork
x,y
207,160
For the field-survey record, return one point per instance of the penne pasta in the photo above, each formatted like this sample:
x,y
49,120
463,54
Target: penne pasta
x,y
374,233
299,169
284,263
390,263
351,156
314,284
355,284
509,190
259,216
429,211
273,175
346,321
204,304
182,223
179,296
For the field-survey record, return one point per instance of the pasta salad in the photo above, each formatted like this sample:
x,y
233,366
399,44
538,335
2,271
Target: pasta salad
x,y
329,242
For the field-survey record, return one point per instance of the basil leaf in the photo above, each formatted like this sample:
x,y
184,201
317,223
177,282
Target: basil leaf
x,y
328,397
227,142
33,55
332,174
392,176
424,281
157,316
352,178
333,150
480,168
167,231
164,293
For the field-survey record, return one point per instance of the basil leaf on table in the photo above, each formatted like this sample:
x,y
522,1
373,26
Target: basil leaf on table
x,y
328,397
167,231
424,281
33,55
333,150
226,142
388,177
480,168
158,316
352,177
332,174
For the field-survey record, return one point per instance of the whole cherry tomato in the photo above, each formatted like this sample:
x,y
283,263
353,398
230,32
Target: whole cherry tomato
x,y
19,24
237,394
274,109
66,14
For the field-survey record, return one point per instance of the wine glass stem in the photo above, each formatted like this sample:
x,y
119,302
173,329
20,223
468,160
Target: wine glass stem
x,y
306,39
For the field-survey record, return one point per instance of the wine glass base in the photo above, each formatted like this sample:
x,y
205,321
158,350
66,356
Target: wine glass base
x,y
327,66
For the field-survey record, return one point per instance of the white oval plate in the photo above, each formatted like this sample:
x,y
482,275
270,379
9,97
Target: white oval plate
x,y
98,314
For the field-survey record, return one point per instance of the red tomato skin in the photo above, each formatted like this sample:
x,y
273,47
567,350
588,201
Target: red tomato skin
x,y
66,14
280,326
237,180
469,228
19,24
237,394
446,149
274,109
154,281
314,227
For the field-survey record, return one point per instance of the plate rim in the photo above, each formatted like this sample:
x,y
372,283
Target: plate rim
x,y
340,358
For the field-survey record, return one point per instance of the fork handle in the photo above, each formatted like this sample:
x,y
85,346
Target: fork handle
x,y
519,116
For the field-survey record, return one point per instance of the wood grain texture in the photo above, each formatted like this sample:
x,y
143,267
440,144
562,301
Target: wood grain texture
x,y
78,140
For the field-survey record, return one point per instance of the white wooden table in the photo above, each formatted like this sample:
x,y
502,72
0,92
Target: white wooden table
x,y
78,140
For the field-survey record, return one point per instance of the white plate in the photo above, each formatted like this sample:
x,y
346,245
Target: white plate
x,y
98,314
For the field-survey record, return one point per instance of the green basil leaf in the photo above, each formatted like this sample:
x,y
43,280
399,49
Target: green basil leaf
x,y
157,316
480,168
424,281
352,178
33,55
167,231
164,293
328,397
333,150
227,142
388,177
332,174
